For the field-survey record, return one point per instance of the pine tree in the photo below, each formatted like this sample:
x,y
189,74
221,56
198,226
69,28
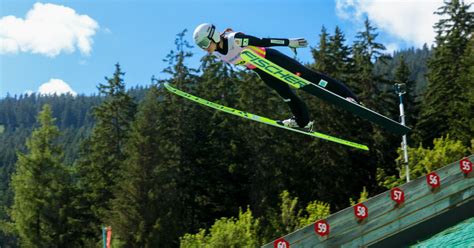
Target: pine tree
x,y
206,152
321,55
221,144
102,154
375,92
207,140
443,109
366,52
334,121
144,210
184,133
340,56
467,109
41,184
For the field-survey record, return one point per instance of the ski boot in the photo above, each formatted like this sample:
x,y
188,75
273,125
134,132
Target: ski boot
x,y
291,123
350,99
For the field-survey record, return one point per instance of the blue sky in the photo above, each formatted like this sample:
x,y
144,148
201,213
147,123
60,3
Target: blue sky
x,y
57,46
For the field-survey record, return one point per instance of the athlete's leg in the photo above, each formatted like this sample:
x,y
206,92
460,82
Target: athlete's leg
x,y
308,74
297,106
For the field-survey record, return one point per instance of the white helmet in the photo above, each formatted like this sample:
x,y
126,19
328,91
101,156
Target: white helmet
x,y
204,33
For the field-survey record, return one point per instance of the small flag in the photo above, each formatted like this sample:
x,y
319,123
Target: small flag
x,y
109,236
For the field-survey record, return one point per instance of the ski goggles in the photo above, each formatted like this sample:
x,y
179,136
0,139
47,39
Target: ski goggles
x,y
204,43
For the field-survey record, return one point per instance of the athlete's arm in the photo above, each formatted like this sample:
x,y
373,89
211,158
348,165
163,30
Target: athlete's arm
x,y
244,40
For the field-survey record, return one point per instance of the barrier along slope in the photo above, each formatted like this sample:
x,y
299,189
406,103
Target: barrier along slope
x,y
398,217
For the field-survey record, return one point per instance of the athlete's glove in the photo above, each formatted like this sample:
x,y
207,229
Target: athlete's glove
x,y
297,43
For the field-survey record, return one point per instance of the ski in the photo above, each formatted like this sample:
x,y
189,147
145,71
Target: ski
x,y
318,90
261,119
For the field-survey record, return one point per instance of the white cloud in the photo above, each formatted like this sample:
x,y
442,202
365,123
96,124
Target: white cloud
x,y
408,20
47,29
55,86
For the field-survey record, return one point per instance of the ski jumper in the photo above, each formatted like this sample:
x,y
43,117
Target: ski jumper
x,y
235,42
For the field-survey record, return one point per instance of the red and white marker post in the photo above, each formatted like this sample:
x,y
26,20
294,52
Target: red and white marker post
x,y
433,180
281,243
397,195
321,227
466,166
361,212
